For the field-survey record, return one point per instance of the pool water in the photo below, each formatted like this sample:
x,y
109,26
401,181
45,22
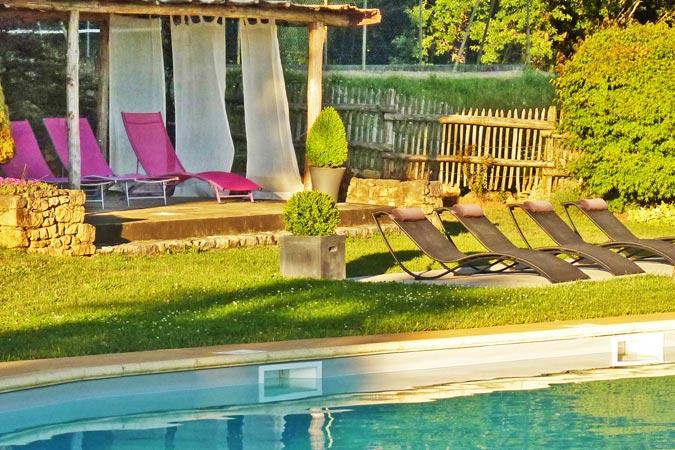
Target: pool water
x,y
631,413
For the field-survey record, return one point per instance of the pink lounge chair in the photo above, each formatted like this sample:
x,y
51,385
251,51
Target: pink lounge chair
x,y
150,141
28,163
94,165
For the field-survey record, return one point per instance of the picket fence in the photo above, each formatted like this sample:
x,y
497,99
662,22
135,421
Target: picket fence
x,y
394,136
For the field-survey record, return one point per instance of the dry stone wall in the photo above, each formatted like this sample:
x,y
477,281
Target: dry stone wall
x,y
424,194
46,222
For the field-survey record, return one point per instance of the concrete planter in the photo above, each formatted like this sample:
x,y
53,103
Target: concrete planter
x,y
313,256
327,179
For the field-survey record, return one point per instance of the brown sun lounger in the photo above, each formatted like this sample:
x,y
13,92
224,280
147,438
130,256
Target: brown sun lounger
x,y
620,237
569,242
439,247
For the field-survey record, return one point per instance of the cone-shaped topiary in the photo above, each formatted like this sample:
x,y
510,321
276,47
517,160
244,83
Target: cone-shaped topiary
x,y
326,142
311,213
6,141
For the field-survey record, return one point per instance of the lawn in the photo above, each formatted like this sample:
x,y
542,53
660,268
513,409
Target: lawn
x,y
66,306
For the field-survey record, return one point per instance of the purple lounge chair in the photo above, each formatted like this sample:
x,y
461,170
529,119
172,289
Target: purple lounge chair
x,y
94,165
150,141
28,163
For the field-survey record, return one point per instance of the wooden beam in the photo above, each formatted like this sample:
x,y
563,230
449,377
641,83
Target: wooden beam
x,y
504,122
73,100
103,87
341,16
317,38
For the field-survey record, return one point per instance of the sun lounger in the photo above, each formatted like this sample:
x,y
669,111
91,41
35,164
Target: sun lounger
x,y
620,237
440,247
150,141
94,165
569,242
29,163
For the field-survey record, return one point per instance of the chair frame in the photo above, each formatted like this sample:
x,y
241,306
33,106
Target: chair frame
x,y
571,244
153,119
89,146
621,238
480,263
40,169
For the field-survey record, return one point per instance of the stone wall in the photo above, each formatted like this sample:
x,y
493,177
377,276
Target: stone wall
x,y
46,222
404,194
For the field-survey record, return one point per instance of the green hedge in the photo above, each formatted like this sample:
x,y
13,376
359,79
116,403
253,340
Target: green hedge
x,y
617,97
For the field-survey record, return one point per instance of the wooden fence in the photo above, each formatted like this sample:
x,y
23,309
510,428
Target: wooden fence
x,y
392,136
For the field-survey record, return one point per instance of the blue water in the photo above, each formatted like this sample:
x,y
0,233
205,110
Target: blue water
x,y
636,413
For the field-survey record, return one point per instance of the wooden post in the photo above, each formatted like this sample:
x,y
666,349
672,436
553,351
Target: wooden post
x,y
317,37
72,99
103,86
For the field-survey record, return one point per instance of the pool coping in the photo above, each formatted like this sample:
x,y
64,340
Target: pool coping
x,y
17,375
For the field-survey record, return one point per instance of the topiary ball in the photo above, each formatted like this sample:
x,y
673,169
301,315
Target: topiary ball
x,y
326,143
311,213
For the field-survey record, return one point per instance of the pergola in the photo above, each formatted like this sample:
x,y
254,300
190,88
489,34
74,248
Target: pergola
x,y
315,17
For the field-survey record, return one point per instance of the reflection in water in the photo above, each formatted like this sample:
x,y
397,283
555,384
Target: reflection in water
x,y
629,413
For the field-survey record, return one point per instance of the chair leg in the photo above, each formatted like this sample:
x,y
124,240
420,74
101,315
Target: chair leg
x,y
126,193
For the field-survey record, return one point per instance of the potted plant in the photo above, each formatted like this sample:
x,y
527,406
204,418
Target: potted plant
x,y
327,151
312,250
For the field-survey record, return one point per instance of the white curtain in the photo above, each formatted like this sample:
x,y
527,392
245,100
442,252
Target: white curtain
x,y
271,160
203,138
136,81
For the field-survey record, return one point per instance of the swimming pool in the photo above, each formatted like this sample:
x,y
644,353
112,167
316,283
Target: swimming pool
x,y
170,411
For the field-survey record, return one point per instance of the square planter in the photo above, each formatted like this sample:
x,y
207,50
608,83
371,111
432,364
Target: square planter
x,y
313,256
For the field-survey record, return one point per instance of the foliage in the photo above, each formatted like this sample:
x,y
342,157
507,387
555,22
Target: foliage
x,y
663,213
617,95
13,186
528,89
326,143
311,213
498,32
33,72
6,141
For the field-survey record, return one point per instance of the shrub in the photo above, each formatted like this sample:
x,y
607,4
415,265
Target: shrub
x,y
326,142
616,96
311,213
6,141
13,186
663,214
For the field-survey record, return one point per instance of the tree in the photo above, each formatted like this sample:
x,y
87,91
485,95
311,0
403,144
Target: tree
x,y
617,98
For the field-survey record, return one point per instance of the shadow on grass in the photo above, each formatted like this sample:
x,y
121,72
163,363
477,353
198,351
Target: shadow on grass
x,y
283,310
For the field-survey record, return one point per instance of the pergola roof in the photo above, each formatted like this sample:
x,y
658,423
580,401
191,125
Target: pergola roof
x,y
341,15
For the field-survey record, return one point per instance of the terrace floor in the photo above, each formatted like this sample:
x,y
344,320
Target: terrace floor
x,y
185,218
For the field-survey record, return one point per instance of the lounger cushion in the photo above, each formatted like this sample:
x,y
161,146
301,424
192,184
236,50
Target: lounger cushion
x,y
541,206
593,204
469,210
407,214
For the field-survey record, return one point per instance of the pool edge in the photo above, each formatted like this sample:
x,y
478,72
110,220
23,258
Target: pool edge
x,y
17,375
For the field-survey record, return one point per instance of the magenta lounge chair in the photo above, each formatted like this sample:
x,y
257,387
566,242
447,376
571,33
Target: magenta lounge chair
x,y
150,141
28,163
94,165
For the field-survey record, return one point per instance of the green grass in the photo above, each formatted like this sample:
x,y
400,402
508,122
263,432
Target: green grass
x,y
61,306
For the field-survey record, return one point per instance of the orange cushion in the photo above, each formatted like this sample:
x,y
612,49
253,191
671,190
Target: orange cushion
x,y
593,204
469,210
407,214
541,206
